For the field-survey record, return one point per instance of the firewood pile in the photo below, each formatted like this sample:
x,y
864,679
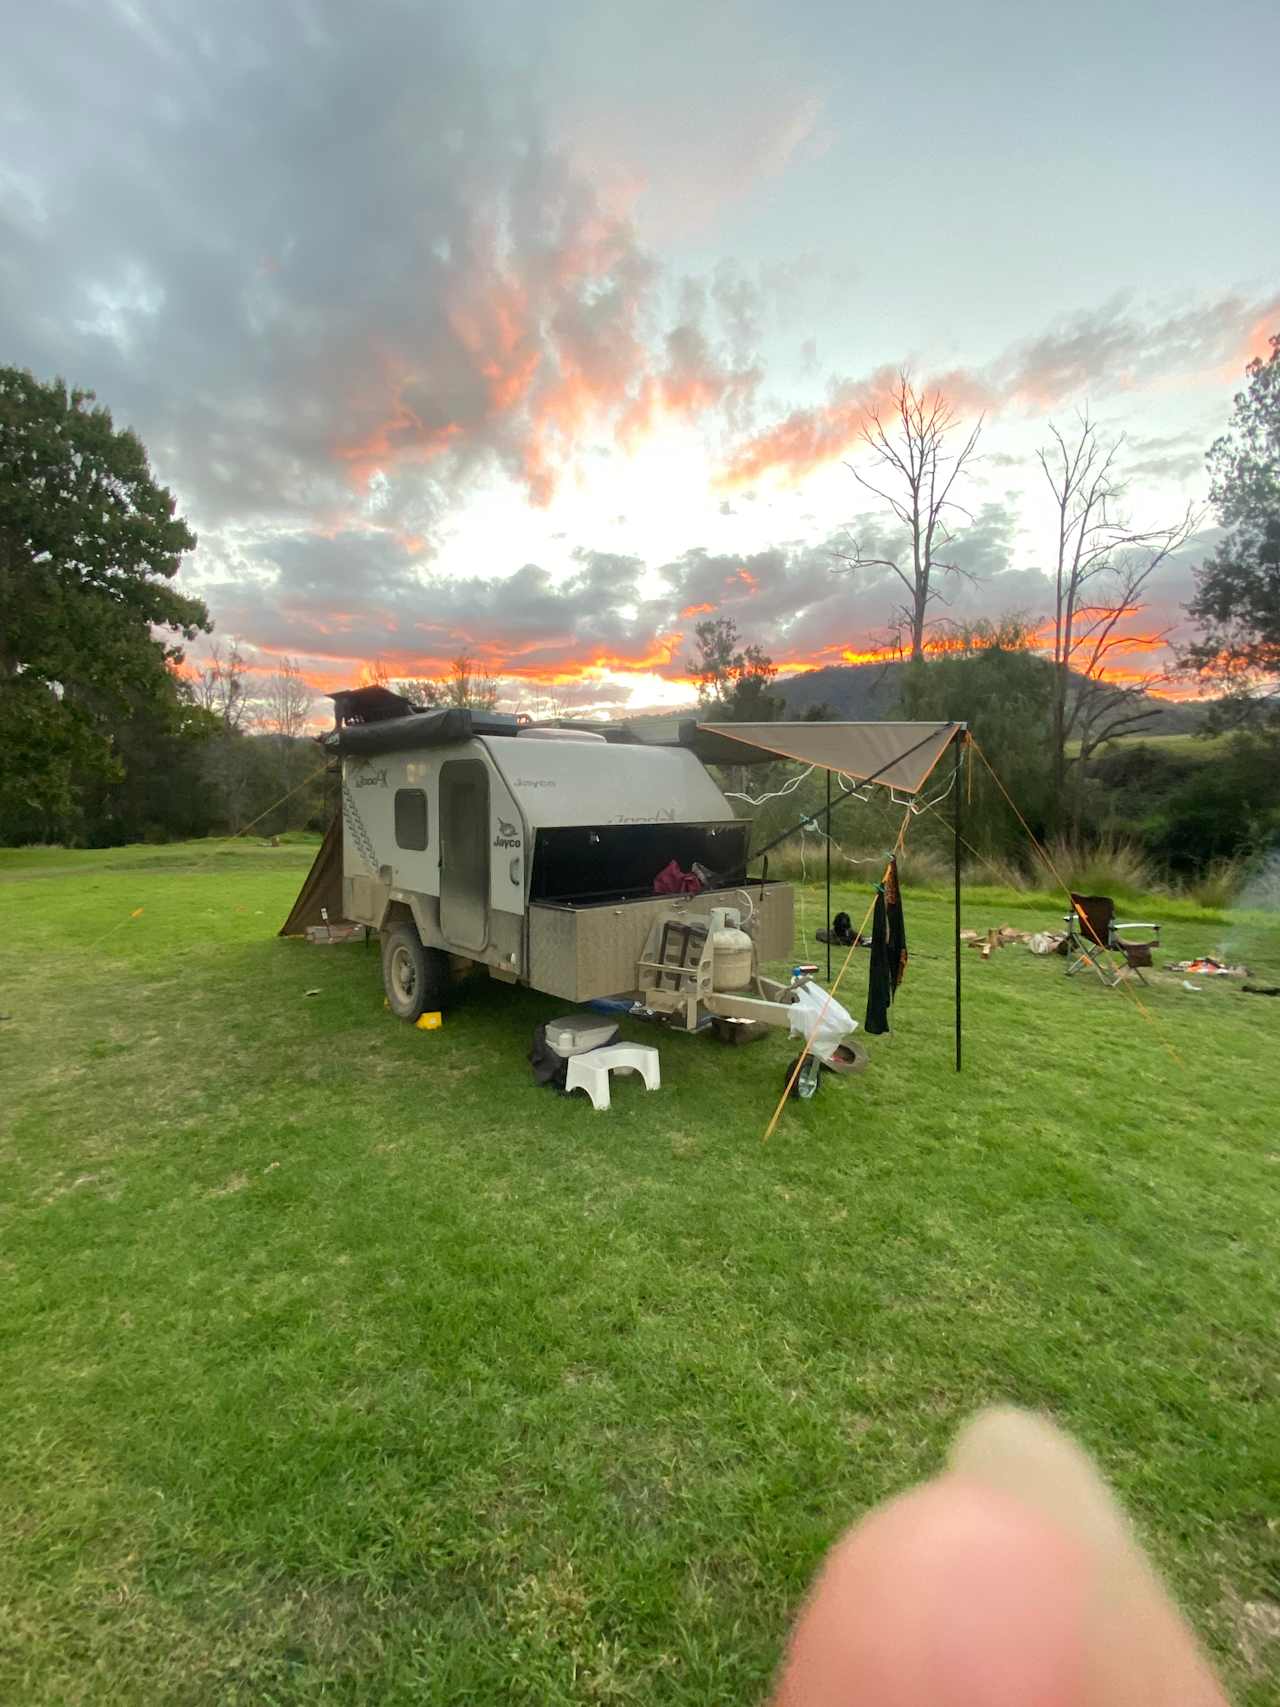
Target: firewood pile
x,y
986,942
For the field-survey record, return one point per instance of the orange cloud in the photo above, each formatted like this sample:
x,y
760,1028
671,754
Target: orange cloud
x,y
538,346
1256,344
1110,349
402,437
566,666
807,439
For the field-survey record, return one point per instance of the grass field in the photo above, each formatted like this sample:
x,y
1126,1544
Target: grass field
x,y
340,1363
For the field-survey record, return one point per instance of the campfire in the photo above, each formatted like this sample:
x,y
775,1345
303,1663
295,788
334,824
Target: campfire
x,y
1208,967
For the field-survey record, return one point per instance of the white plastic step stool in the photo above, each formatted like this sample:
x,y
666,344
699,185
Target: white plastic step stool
x,y
590,1072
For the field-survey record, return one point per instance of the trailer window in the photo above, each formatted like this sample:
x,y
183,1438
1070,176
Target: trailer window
x,y
411,819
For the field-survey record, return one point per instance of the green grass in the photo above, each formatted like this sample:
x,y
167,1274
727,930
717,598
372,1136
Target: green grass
x,y
1191,744
339,1362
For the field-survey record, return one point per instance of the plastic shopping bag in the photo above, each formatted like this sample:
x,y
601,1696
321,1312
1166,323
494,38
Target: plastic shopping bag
x,y
813,1008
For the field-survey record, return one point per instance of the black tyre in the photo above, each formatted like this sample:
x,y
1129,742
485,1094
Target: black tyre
x,y
415,978
808,1080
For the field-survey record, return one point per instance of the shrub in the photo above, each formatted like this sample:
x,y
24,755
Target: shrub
x,y
1108,866
802,859
1219,884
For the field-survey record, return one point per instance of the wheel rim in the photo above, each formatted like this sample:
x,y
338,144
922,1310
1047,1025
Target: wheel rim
x,y
404,974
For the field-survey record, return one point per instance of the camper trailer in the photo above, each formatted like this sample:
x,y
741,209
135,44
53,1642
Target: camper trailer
x,y
533,851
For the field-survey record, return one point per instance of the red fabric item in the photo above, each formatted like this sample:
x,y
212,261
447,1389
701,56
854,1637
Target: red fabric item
x,y
672,881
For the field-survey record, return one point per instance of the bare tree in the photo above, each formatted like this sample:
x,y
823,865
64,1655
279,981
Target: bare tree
x,y
467,685
1101,568
546,703
286,701
219,686
464,685
917,444
421,691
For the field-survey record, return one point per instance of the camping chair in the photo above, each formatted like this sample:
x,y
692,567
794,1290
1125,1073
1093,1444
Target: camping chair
x,y
1095,939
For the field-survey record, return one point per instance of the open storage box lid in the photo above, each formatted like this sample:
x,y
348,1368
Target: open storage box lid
x,y
574,1034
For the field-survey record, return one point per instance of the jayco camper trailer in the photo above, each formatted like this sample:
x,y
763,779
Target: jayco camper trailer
x,y
533,852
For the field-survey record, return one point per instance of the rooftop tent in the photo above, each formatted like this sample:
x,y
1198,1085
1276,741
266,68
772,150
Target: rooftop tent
x,y
371,704
898,755
403,733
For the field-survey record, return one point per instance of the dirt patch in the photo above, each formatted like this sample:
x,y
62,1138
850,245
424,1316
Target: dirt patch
x,y
80,1182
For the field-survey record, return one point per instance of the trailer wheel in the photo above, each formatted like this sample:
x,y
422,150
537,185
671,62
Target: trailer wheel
x,y
414,977
808,1079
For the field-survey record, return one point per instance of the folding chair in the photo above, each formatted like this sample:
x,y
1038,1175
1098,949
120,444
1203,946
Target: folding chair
x,y
1095,939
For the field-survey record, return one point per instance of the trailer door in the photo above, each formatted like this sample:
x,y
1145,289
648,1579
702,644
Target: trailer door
x,y
464,853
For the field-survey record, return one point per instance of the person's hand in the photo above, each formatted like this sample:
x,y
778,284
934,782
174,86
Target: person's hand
x,y
1012,1580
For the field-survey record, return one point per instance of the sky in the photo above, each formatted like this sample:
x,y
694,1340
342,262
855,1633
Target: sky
x,y
544,332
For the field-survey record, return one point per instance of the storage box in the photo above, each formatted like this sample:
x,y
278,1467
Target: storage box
x,y
587,951
574,1034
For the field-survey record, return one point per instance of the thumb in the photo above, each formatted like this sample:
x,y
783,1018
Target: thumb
x,y
1138,1649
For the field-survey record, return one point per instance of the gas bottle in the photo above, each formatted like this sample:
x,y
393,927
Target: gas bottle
x,y
730,950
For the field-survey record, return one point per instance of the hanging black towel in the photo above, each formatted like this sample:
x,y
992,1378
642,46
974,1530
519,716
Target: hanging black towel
x,y
888,952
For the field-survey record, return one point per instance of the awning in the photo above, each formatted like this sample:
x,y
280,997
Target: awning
x,y
899,755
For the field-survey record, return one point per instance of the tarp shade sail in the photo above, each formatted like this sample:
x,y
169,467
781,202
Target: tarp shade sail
x,y
898,755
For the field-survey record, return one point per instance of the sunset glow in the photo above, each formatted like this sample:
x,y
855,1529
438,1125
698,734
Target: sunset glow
x,y
545,341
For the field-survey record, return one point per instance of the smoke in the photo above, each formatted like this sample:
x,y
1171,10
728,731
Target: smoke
x,y
1252,933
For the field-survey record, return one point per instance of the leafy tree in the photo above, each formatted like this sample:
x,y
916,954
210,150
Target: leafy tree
x,y
163,794
257,780
990,677
734,681
1237,601
89,544
1225,808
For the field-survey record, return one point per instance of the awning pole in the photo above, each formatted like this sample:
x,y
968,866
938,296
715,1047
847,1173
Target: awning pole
x,y
828,842
961,738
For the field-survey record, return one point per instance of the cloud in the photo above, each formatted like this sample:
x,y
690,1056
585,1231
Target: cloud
x,y
1112,348
335,272
692,108
586,637
345,601
340,272
1178,457
1097,353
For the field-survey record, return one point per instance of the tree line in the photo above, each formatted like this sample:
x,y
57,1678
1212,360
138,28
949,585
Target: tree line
x,y
110,732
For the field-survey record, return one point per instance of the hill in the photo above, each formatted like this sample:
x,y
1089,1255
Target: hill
x,y
870,691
